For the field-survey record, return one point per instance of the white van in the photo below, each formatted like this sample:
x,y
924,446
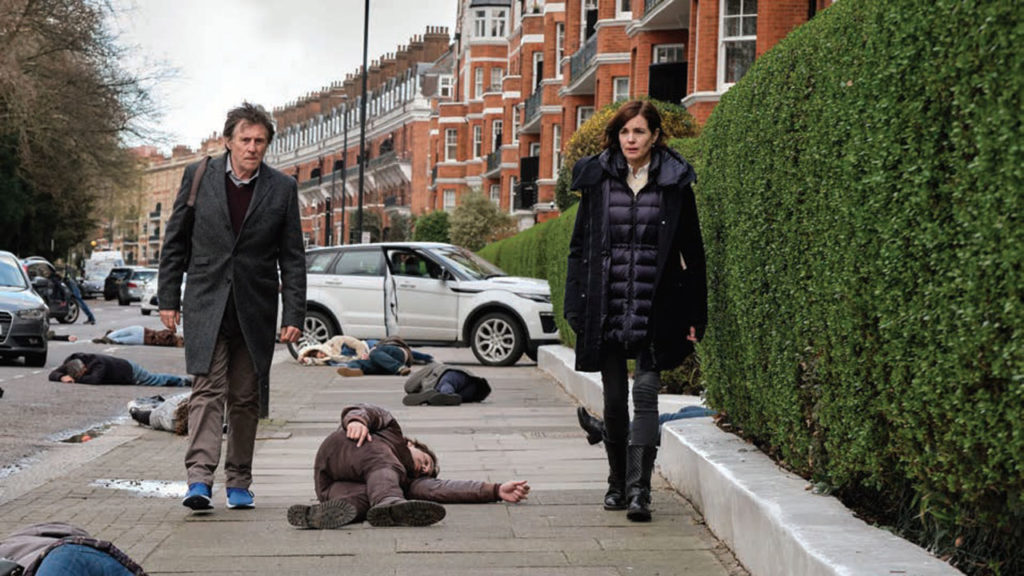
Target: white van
x,y
96,269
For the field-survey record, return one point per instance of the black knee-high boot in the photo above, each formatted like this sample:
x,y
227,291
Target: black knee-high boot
x,y
639,465
615,497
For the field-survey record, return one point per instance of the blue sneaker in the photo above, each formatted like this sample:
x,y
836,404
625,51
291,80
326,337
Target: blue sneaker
x,y
240,498
198,497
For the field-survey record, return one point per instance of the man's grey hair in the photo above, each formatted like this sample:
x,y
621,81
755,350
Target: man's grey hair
x,y
74,368
251,113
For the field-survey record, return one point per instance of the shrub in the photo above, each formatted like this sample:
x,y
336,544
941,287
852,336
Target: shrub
x,y
588,139
477,221
431,227
860,194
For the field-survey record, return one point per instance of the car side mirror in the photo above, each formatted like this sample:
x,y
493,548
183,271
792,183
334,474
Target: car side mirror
x,y
40,283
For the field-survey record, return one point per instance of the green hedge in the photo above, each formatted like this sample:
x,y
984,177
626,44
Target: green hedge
x,y
861,192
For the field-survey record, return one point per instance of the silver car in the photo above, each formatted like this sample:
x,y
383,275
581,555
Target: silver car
x,y
23,314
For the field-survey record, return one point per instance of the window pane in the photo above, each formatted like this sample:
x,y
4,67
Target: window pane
x,y
750,6
733,7
750,26
732,27
360,263
738,57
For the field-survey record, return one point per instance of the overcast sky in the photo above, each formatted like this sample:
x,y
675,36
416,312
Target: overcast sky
x,y
266,51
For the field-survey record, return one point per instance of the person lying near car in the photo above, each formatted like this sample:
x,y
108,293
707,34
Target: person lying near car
x,y
338,350
439,384
389,355
82,368
141,336
369,470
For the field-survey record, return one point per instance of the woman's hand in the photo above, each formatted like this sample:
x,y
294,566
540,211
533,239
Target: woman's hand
x,y
514,491
359,432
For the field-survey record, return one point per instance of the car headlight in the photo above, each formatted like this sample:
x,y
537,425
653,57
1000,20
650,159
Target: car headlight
x,y
544,298
32,314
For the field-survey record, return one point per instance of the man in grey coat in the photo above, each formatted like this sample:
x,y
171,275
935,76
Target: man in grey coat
x,y
242,231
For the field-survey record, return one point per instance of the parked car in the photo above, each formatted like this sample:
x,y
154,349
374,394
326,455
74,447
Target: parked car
x,y
97,267
23,314
133,284
150,301
429,294
43,278
112,283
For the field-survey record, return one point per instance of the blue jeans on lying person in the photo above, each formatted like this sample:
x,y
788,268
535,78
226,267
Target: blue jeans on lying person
x,y
143,377
130,335
81,561
382,360
685,412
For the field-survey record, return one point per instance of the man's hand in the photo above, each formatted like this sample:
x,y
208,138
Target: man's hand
x,y
359,432
171,319
68,379
290,334
513,491
692,336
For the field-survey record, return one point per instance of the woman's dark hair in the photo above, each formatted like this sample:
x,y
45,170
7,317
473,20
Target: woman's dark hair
x,y
627,112
251,113
426,449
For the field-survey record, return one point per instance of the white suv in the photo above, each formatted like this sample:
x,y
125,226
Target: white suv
x,y
429,294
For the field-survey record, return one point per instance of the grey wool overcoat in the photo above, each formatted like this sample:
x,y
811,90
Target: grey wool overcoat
x,y
247,266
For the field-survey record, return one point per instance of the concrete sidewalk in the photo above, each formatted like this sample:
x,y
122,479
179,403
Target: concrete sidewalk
x,y
126,487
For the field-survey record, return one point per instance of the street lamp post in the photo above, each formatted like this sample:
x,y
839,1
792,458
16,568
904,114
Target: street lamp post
x,y
362,121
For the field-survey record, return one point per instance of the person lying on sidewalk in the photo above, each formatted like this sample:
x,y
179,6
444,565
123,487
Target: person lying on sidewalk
x,y
438,384
59,548
85,368
368,469
141,336
159,413
390,355
594,426
338,350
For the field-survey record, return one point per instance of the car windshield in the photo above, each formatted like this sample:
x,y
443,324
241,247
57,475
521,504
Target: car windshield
x,y
144,275
10,274
468,263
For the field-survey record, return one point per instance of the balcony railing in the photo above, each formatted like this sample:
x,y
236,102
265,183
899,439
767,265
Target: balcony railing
x,y
581,60
493,163
532,107
650,5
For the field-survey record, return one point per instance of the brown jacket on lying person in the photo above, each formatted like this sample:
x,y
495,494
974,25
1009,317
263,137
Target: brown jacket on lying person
x,y
368,469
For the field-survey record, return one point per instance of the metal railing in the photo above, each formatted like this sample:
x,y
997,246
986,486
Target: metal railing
x,y
532,107
651,5
493,161
582,59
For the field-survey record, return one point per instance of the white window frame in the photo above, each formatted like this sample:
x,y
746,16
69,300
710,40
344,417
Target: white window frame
x,y
725,42
538,62
621,10
445,85
617,92
499,22
478,82
534,148
451,144
496,194
584,6
515,125
497,129
661,53
480,23
497,73
582,111
478,140
556,149
559,48
448,199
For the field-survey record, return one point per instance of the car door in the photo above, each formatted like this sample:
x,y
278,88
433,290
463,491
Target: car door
x,y
426,308
353,289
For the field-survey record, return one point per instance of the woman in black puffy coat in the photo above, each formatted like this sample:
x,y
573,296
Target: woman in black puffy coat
x,y
635,287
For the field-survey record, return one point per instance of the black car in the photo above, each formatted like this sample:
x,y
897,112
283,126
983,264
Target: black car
x,y
134,284
23,314
112,284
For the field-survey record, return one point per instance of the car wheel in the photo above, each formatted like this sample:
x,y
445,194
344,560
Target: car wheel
x,y
497,340
72,314
35,359
317,329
